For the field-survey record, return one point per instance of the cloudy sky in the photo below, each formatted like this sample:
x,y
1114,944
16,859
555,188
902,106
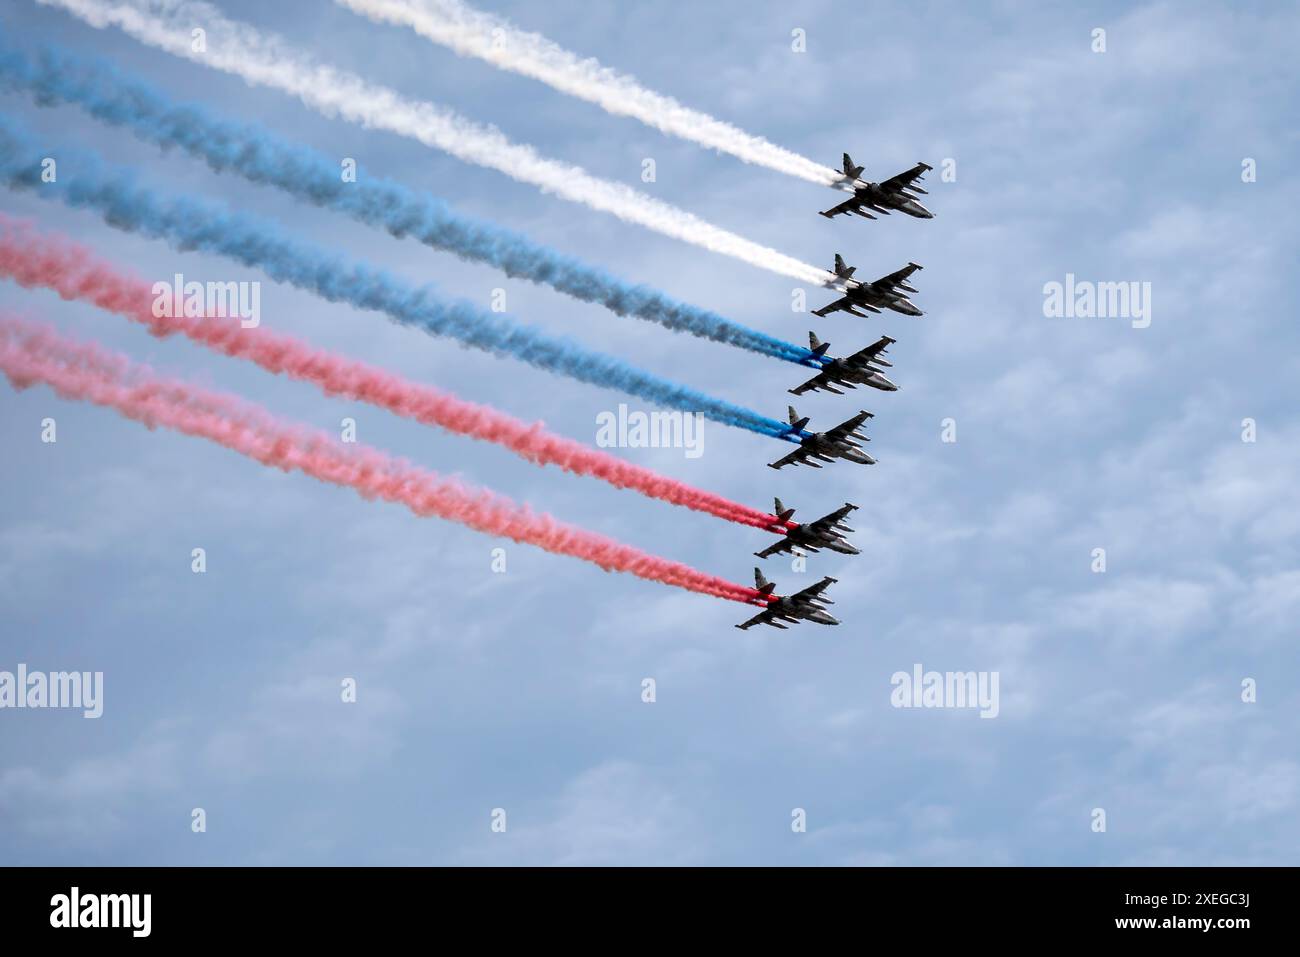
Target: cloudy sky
x,y
1119,690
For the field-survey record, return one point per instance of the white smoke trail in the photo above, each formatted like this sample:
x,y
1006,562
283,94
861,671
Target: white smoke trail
x,y
471,32
266,60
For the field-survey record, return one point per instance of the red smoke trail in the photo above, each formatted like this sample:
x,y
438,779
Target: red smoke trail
x,y
31,353
74,272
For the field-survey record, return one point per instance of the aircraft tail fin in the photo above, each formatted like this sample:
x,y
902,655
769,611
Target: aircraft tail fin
x,y
782,513
761,584
797,422
816,345
841,270
851,171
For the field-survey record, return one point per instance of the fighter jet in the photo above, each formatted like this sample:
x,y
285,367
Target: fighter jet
x,y
810,536
895,193
801,606
836,443
872,296
849,371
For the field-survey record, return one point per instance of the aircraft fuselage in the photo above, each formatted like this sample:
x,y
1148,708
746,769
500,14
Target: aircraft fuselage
x,y
795,614
873,297
842,371
828,450
881,201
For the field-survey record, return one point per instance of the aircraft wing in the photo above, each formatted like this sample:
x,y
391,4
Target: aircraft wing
x,y
848,206
820,381
906,178
894,278
877,348
796,457
842,430
775,548
812,591
764,617
827,522
844,302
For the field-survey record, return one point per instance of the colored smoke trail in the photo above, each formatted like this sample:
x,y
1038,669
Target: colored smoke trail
x,y
475,33
54,77
51,261
267,60
192,224
32,353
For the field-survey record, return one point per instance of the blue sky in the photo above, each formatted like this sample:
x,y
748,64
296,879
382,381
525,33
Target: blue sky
x,y
522,690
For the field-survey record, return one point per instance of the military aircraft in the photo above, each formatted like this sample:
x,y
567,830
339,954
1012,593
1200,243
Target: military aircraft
x,y
895,193
810,536
849,371
872,296
836,443
805,605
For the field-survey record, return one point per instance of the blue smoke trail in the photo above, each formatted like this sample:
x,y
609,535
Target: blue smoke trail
x,y
54,76
191,224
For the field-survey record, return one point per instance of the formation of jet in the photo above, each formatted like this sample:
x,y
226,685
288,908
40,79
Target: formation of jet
x,y
810,536
873,296
895,193
806,605
836,443
861,368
